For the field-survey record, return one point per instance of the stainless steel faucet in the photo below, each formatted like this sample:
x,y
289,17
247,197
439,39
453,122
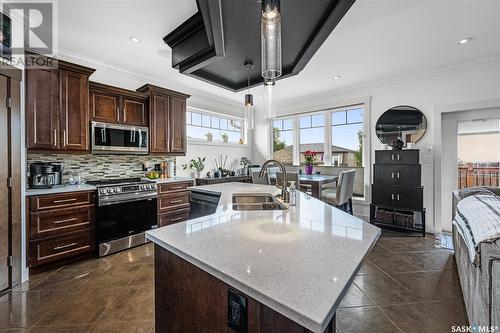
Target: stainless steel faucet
x,y
285,195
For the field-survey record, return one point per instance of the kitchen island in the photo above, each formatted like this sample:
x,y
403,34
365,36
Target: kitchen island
x,y
260,270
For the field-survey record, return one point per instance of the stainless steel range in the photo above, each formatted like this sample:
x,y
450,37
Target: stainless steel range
x,y
126,208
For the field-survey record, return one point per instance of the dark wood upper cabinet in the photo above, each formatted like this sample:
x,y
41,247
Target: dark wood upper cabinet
x,y
74,110
116,105
167,114
57,106
42,109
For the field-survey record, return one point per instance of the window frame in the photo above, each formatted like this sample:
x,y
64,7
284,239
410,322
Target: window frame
x,y
242,132
365,104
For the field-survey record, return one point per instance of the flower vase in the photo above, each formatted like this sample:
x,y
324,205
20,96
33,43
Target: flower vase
x,y
309,169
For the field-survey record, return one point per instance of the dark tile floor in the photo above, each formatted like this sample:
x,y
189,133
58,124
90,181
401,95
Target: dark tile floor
x,y
408,284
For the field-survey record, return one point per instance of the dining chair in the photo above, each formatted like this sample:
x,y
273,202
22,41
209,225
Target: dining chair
x,y
290,177
341,196
256,179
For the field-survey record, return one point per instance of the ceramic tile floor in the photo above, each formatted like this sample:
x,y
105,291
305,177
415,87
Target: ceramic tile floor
x,y
408,284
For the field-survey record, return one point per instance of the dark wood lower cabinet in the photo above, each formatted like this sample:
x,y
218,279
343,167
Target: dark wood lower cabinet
x,y
188,299
173,203
61,229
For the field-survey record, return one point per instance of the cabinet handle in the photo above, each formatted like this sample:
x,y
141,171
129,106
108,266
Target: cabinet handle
x,y
397,197
177,219
392,175
64,138
398,175
176,188
64,221
118,114
55,137
175,201
392,157
64,246
65,200
392,196
398,157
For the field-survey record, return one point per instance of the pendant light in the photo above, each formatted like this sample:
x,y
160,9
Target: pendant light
x,y
268,99
248,98
271,39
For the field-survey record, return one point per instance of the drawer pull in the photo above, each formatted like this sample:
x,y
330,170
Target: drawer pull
x,y
177,188
65,200
64,246
177,219
64,221
176,201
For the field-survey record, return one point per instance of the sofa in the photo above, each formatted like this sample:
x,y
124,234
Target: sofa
x,y
480,278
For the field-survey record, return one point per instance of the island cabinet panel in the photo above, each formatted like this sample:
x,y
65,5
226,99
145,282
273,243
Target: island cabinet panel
x,y
57,105
61,228
167,114
173,202
188,299
111,104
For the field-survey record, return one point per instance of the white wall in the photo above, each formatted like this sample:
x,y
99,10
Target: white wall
x,y
426,92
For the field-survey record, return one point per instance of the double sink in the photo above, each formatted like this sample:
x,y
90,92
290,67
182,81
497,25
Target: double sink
x,y
256,201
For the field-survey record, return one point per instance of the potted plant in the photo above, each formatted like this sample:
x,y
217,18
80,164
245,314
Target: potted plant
x,y
310,157
197,165
245,163
209,136
224,137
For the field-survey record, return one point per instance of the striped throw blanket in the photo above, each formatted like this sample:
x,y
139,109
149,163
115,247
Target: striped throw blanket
x,y
478,221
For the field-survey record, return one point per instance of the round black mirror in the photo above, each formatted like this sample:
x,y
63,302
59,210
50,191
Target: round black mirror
x,y
404,122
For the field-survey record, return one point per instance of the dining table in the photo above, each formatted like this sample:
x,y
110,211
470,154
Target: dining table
x,y
316,182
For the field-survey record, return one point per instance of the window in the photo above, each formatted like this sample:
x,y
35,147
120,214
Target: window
x,y
283,140
199,124
347,137
312,135
337,135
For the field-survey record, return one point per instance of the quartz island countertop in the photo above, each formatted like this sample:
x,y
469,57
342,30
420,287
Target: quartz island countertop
x,y
299,262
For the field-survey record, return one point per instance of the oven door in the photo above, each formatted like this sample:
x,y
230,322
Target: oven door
x,y
124,219
122,139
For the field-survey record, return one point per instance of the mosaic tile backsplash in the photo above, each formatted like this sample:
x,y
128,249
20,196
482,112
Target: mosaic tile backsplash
x,y
93,167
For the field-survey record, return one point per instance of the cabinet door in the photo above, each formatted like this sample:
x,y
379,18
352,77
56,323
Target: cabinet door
x,y
134,111
42,109
177,135
104,106
159,117
74,111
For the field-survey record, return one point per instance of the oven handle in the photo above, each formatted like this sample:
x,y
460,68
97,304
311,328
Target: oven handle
x,y
128,198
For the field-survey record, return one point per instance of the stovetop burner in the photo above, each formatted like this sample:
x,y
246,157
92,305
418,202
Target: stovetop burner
x,y
114,181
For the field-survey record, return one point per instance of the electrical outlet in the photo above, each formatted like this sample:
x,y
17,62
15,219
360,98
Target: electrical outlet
x,y
237,312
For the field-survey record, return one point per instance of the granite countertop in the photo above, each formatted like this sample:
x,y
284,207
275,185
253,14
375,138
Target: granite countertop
x,y
60,189
300,262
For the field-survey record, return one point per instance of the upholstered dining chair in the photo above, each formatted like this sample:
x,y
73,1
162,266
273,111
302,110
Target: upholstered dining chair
x,y
258,180
341,196
290,177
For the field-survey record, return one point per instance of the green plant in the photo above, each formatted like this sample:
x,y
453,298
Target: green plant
x,y
209,135
245,162
278,144
195,164
359,153
224,136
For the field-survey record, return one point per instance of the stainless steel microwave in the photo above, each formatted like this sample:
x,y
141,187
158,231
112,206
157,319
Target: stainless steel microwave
x,y
119,139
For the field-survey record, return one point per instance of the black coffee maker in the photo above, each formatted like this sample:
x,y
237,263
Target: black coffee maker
x,y
45,174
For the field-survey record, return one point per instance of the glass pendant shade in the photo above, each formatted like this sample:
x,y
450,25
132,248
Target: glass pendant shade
x,y
268,99
271,39
249,111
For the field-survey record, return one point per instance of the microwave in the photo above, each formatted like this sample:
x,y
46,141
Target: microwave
x,y
118,139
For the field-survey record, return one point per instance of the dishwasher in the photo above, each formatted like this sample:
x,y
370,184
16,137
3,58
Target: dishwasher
x,y
203,203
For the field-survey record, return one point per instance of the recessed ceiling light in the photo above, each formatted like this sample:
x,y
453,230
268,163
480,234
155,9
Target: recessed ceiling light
x,y
465,40
135,39
336,77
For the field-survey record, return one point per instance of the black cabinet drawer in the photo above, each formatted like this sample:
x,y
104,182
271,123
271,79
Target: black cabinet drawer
x,y
398,197
391,174
410,156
